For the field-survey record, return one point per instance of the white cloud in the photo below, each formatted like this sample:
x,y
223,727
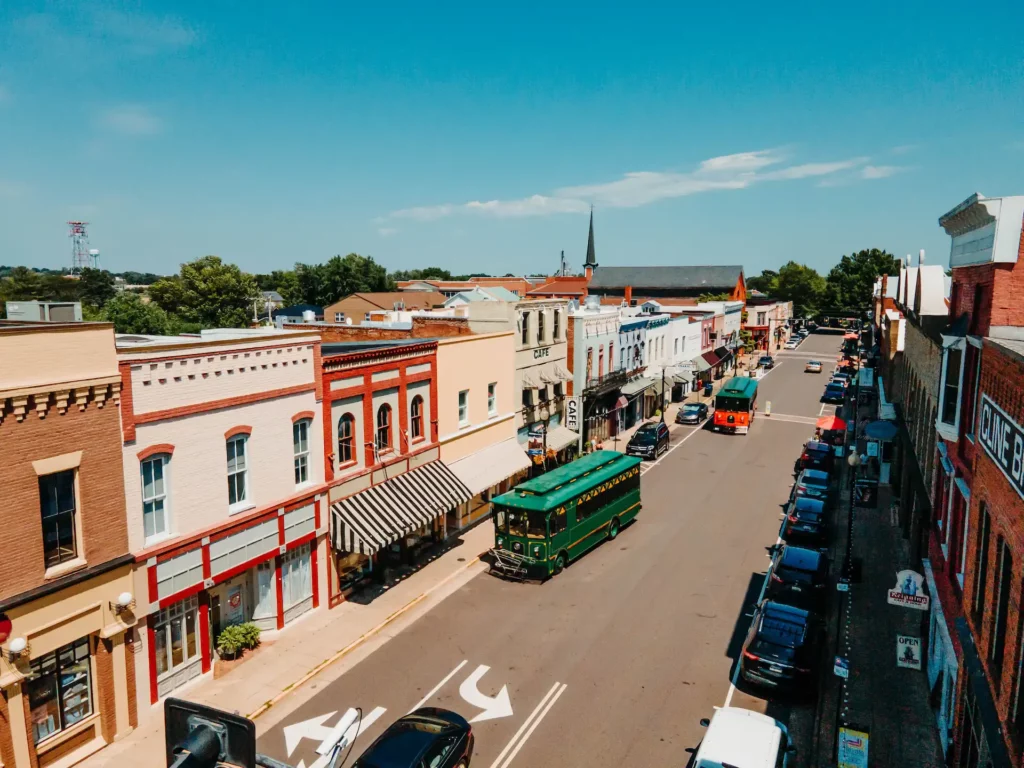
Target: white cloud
x,y
130,120
144,35
880,171
387,231
637,188
100,32
902,149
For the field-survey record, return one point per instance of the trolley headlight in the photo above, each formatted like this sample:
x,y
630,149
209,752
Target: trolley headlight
x,y
499,542
517,546
538,551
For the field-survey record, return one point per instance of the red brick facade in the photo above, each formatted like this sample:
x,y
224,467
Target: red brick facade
x,y
6,745
96,432
422,328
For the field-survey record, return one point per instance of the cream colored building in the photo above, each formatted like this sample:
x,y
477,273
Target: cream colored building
x,y
476,416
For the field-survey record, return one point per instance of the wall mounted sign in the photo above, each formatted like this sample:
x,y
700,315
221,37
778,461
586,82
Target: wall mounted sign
x,y
1003,439
572,414
908,652
853,748
841,667
909,591
541,352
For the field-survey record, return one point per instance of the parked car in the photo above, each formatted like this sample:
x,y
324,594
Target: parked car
x,y
813,366
834,393
781,649
427,738
692,413
812,483
792,343
766,361
743,738
798,576
806,523
649,441
816,455
841,378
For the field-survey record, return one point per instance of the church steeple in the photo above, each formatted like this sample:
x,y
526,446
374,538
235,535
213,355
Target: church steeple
x,y
591,263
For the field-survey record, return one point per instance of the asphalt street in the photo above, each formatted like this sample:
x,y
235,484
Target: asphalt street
x,y
615,661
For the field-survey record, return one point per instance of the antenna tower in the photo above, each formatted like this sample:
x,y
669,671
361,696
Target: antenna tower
x,y
81,258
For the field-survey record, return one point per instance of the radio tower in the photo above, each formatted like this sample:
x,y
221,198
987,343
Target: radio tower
x,y
80,255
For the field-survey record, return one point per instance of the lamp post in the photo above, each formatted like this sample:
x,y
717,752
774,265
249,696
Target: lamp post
x,y
853,460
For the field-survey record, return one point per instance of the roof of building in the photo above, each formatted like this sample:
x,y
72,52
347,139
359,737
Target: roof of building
x,y
345,347
494,293
684,277
272,296
296,310
561,286
591,260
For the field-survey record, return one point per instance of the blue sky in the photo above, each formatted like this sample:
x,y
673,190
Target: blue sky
x,y
475,137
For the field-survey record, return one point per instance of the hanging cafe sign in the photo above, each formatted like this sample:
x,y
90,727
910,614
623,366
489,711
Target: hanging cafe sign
x,y
1003,439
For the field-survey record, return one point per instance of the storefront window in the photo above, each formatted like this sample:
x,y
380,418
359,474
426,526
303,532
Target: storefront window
x,y
352,568
175,636
266,598
296,576
60,689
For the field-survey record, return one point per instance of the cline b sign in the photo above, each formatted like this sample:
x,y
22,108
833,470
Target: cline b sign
x,y
1003,439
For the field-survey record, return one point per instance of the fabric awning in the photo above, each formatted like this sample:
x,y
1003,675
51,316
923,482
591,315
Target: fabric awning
x,y
549,375
636,386
722,353
530,380
559,437
622,402
485,469
563,372
683,378
701,364
711,359
370,520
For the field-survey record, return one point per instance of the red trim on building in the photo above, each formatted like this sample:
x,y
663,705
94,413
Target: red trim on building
x,y
303,415
217,405
242,429
155,450
204,632
154,696
313,550
318,371
151,583
279,587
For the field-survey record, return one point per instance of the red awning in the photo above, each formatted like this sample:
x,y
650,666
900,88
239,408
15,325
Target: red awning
x,y
622,402
851,336
831,423
711,359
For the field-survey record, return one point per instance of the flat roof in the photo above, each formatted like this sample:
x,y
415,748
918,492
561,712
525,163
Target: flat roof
x,y
344,347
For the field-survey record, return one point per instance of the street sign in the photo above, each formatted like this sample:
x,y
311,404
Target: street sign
x,y
572,414
843,585
908,652
493,706
853,748
908,591
841,667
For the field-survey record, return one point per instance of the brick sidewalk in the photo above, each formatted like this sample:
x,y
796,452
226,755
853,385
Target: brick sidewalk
x,y
889,702
289,658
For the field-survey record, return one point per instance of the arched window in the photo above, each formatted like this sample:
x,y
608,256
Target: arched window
x,y
540,327
416,417
346,439
384,427
556,326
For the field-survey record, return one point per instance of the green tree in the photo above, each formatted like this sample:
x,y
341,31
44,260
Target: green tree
x,y
765,282
95,287
285,282
427,273
130,314
323,284
208,293
713,297
24,284
802,285
852,280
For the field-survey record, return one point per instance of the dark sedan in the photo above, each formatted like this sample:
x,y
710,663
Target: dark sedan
x,y
798,576
692,413
816,455
427,738
834,393
806,523
812,483
781,649
767,362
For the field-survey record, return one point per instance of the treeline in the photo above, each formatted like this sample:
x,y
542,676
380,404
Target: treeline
x,y
847,287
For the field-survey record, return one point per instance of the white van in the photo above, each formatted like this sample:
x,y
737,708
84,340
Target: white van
x,y
739,738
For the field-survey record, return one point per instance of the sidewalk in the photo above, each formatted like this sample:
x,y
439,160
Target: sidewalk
x,y
890,703
288,659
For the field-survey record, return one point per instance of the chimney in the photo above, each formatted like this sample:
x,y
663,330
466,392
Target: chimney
x,y
629,295
909,261
920,257
885,287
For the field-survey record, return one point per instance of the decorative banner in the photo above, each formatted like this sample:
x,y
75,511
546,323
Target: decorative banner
x,y
853,748
909,591
908,652
865,492
1003,439
841,667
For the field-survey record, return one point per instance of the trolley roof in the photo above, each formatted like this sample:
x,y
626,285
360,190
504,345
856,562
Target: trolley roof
x,y
561,485
739,386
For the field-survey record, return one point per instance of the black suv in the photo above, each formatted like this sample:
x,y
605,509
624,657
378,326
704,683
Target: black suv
x,y
648,442
816,455
806,522
767,362
798,577
781,649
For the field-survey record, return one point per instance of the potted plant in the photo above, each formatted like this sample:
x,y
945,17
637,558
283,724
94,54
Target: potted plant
x,y
235,640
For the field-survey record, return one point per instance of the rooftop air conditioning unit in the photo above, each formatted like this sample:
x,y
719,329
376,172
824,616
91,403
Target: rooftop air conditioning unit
x,y
309,316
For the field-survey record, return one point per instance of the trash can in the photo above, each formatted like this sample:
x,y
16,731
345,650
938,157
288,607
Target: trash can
x,y
708,389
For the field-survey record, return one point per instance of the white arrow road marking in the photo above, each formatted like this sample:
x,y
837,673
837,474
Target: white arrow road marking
x,y
438,687
498,706
536,716
313,728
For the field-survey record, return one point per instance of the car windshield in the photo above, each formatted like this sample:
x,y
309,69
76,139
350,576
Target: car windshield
x,y
813,362
402,743
646,436
779,628
794,575
531,524
691,408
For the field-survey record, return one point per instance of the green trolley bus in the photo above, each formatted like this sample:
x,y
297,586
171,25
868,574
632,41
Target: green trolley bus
x,y
542,524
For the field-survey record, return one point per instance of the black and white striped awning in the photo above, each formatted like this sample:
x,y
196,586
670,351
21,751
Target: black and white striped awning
x,y
372,519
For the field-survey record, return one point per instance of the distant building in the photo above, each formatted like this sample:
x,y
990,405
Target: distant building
x,y
683,284
358,307
297,313
516,285
48,311
494,293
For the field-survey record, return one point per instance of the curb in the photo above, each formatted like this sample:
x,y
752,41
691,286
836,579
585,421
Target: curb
x,y
267,705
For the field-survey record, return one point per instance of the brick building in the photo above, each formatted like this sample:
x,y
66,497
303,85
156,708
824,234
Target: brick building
x,y
357,308
987,283
67,669
223,479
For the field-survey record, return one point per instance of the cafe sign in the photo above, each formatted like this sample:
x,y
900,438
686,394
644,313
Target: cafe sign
x,y
1003,439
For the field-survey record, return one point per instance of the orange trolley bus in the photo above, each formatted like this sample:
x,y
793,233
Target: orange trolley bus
x,y
736,405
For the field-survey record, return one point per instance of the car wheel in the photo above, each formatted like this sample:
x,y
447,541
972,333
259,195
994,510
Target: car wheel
x,y
559,563
613,529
